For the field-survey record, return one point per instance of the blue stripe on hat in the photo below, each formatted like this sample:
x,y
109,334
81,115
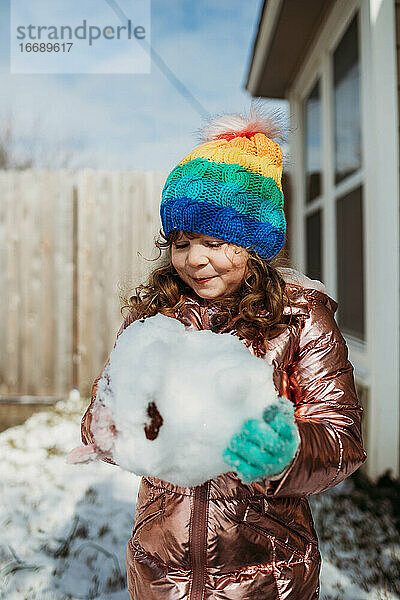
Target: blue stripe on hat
x,y
225,223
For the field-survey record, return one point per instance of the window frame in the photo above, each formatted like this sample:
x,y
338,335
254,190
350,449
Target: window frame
x,y
320,66
377,358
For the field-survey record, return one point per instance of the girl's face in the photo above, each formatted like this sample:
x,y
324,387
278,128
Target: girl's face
x,y
211,267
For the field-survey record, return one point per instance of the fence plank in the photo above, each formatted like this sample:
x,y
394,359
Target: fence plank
x,y
86,307
48,307
28,236
12,343
62,185
4,245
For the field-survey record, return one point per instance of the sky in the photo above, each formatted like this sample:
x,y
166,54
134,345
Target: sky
x,y
134,121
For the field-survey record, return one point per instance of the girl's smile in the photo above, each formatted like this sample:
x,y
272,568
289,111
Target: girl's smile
x,y
202,279
211,267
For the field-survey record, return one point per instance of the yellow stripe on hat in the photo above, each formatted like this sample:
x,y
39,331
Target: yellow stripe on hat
x,y
258,154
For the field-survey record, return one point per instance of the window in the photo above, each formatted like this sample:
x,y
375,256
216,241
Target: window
x,y
313,147
349,209
343,97
314,246
313,180
350,259
346,69
333,182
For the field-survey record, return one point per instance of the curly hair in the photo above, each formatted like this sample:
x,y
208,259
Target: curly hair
x,y
258,302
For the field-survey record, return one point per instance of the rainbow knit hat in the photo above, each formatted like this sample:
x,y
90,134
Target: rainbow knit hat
x,y
229,187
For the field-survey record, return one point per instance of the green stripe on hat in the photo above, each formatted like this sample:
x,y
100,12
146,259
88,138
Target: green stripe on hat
x,y
255,185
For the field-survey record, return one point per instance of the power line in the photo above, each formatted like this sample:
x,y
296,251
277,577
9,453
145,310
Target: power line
x,y
156,58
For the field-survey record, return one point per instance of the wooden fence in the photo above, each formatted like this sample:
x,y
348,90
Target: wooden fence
x,y
68,240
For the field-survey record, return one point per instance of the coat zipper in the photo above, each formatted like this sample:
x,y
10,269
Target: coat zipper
x,y
198,541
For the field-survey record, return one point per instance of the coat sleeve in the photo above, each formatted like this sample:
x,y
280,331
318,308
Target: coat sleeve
x,y
327,411
86,433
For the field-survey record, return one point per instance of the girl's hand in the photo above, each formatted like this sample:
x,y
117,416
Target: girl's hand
x,y
264,447
104,433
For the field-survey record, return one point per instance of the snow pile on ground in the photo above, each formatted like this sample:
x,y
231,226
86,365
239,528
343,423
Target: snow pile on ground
x,y
359,543
202,385
64,530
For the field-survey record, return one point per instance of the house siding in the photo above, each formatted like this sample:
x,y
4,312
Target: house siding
x,y
397,9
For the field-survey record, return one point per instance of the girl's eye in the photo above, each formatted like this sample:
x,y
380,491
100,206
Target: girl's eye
x,y
214,244
209,244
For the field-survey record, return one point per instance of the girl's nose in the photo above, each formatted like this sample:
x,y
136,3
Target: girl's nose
x,y
197,256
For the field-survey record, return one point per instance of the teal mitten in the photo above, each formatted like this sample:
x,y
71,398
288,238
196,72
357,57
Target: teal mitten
x,y
264,447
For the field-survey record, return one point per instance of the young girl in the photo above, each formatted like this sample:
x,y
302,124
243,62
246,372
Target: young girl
x,y
248,533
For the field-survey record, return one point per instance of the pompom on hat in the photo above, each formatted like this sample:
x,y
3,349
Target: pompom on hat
x,y
229,187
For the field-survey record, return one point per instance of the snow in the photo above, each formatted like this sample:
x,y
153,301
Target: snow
x,y
359,543
60,524
64,529
202,384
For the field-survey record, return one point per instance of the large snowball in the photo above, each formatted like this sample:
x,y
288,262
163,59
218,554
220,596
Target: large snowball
x,y
204,386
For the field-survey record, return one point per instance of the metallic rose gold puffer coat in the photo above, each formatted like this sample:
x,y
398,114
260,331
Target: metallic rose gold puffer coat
x,y
228,540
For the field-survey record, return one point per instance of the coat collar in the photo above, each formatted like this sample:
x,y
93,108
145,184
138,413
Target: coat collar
x,y
301,289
